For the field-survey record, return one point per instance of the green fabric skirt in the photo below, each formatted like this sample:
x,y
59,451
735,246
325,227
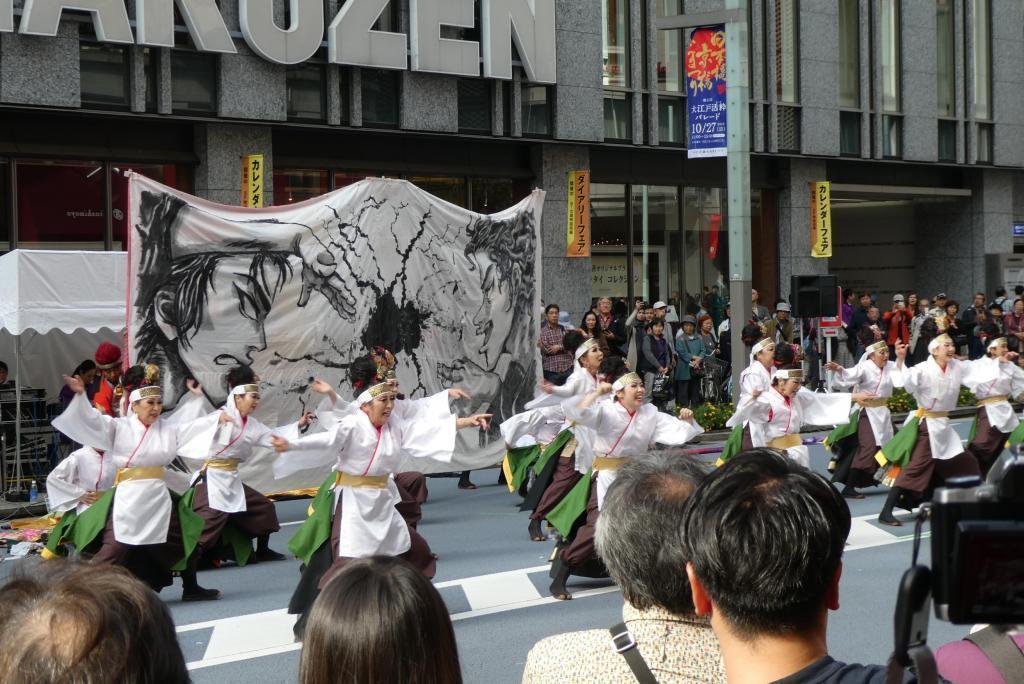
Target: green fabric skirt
x,y
573,505
317,529
516,465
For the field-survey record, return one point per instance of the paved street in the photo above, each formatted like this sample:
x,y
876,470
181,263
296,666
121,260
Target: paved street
x,y
494,581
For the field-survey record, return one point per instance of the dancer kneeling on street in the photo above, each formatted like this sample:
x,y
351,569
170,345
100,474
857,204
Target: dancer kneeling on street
x,y
993,379
608,433
232,511
138,521
926,451
870,425
776,416
366,447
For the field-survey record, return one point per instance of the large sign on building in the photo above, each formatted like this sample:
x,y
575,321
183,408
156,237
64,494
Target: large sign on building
x,y
350,36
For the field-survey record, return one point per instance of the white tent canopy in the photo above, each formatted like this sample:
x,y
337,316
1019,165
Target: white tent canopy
x,y
44,290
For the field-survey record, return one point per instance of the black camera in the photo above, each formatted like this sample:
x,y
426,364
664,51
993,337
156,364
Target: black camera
x,y
978,546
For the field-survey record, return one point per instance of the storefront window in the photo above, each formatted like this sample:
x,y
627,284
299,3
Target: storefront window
x,y
670,51
449,188
298,185
536,110
193,82
705,251
380,97
104,75
306,91
609,227
491,195
615,42
345,178
174,175
655,215
60,204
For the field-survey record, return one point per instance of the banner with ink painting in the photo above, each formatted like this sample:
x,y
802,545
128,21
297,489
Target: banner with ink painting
x,y
300,291
705,92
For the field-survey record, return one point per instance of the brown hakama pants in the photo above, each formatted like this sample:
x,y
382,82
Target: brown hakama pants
x,y
581,548
860,471
259,517
151,563
988,443
564,480
412,487
924,473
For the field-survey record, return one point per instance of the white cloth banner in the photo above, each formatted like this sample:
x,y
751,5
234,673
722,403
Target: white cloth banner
x,y
300,291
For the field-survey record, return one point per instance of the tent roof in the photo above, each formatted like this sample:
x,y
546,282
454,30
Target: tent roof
x,y
43,290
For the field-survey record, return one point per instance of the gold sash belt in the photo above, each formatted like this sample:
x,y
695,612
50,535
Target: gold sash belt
x,y
139,473
608,463
369,481
924,413
785,442
872,403
998,399
569,449
228,464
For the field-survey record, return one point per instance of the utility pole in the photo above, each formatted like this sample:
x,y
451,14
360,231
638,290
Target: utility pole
x,y
737,100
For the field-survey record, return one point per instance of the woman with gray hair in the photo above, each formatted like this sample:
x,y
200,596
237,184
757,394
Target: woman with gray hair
x,y
639,541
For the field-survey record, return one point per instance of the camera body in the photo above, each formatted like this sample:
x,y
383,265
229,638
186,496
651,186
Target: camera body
x,y
978,546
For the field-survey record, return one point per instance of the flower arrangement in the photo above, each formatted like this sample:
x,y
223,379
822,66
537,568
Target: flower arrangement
x,y
713,416
901,401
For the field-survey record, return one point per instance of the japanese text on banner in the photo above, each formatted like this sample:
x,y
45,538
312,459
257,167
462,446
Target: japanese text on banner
x,y
821,219
577,236
705,92
252,180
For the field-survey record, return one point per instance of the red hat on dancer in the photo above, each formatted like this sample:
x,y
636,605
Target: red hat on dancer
x,y
107,356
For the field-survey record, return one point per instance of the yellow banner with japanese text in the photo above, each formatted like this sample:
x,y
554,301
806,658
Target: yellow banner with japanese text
x,y
252,180
821,219
577,238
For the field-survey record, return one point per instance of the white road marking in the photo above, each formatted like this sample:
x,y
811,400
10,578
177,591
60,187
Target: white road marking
x,y
255,635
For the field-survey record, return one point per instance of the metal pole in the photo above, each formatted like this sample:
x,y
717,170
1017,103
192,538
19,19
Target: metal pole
x,y
17,410
738,162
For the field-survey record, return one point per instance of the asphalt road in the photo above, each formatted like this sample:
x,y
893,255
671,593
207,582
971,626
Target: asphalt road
x,y
494,581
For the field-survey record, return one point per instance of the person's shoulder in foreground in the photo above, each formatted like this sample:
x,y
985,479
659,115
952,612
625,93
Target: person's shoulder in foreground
x,y
638,539
827,670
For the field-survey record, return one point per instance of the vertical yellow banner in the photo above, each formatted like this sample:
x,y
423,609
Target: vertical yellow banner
x,y
577,238
821,219
252,180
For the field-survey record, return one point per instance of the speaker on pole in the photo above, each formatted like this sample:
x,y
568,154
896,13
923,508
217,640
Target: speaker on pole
x,y
814,296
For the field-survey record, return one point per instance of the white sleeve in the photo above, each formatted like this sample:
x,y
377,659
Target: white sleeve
x,y
673,431
63,491
264,433
848,377
587,417
520,425
83,423
752,411
312,451
190,408
435,406
824,409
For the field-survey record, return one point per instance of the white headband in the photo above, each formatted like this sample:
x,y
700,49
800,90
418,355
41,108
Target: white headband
x,y
872,348
375,391
584,348
789,374
937,342
245,389
762,345
625,380
995,343
143,393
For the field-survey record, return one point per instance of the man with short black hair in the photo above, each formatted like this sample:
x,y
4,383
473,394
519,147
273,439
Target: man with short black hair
x,y
638,540
764,538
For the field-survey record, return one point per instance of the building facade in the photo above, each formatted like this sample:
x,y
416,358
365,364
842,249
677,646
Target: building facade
x,y
914,110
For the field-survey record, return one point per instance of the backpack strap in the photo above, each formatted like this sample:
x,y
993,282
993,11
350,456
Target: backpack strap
x,y
624,644
1000,648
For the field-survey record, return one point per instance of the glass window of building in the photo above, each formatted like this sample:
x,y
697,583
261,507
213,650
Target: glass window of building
x,y
104,71
945,53
491,195
985,135
947,140
177,176
609,227
705,251
449,188
536,110
298,185
380,97
670,49
149,68
671,120
890,55
615,42
193,82
70,219
787,57
982,60
655,217
5,219
474,105
307,92
849,53
345,178
618,116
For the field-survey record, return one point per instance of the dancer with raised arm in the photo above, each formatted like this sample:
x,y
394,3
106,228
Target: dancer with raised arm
x,y
608,433
993,379
755,379
137,520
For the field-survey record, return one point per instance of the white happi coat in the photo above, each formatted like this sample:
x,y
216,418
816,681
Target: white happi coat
x,y
987,377
142,508
580,383
936,389
754,377
435,406
84,470
773,415
235,440
866,376
546,414
370,523
607,429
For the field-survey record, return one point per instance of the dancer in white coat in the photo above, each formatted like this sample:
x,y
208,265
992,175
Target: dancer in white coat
x,y
993,379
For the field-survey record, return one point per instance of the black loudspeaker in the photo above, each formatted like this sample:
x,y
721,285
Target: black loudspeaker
x,y
814,296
